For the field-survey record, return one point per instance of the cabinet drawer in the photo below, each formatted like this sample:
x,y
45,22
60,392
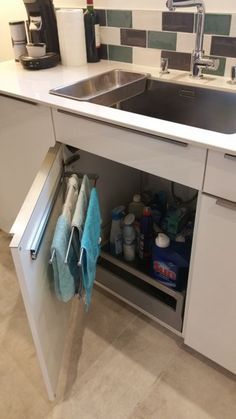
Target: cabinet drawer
x,y
220,177
170,159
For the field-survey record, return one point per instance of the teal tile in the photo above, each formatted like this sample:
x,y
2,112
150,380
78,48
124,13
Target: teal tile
x,y
118,53
119,18
216,24
162,40
221,69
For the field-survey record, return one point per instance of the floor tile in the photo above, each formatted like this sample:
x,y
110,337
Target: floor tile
x,y
117,365
192,388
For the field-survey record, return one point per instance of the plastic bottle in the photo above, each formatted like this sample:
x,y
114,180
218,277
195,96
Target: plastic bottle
x,y
129,236
136,207
116,240
170,262
146,235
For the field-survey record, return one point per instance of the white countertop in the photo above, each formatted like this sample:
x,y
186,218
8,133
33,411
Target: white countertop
x,y
35,85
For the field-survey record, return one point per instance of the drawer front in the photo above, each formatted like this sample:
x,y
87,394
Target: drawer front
x,y
144,302
220,177
172,160
48,318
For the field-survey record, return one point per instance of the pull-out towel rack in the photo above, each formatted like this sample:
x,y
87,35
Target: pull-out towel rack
x,y
93,177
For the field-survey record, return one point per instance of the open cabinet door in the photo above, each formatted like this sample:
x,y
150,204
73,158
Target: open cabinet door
x,y
48,318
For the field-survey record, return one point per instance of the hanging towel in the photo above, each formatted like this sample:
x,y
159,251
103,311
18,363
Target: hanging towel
x,y
90,244
71,197
65,275
82,206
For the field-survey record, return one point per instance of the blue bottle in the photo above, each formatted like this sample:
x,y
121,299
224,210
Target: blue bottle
x,y
170,262
146,235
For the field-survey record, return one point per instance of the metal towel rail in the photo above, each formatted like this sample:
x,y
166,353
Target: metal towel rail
x,y
93,177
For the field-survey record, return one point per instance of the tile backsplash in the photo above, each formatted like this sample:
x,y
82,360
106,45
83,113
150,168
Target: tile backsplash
x,y
144,36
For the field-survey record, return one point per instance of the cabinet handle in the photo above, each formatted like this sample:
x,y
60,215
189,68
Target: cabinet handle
x,y
155,137
230,156
18,99
226,204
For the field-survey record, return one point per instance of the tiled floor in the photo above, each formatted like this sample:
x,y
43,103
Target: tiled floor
x,y
118,365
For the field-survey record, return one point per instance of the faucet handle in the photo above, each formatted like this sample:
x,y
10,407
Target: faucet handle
x,y
164,66
233,74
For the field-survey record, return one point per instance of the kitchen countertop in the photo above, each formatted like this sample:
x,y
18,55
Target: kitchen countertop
x,y
35,86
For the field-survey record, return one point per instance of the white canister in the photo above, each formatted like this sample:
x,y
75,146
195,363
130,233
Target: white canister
x,y
19,49
18,32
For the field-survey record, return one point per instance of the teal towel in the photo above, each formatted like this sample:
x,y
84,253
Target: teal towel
x,y
90,244
65,276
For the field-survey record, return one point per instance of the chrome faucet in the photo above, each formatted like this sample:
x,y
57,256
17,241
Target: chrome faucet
x,y
198,61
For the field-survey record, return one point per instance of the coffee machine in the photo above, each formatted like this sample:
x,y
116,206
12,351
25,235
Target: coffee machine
x,y
42,28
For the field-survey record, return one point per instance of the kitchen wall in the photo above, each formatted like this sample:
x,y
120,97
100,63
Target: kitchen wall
x,y
143,37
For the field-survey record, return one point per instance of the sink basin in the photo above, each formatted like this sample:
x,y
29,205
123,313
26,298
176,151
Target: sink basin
x,y
106,89
194,106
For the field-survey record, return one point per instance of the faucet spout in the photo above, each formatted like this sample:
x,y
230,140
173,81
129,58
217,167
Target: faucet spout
x,y
198,61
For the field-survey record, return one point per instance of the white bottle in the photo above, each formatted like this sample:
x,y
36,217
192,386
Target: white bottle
x,y
129,236
116,239
136,207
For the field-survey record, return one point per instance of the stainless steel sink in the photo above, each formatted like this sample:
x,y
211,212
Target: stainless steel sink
x,y
106,89
194,106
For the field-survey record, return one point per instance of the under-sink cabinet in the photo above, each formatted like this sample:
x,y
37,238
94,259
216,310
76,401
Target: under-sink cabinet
x,y
127,162
26,133
49,317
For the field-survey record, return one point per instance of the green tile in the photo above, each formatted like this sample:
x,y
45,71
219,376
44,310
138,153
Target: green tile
x,y
162,40
221,69
119,18
217,24
118,53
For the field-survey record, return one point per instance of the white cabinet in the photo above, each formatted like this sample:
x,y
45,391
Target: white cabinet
x,y
169,159
48,318
221,174
210,317
26,133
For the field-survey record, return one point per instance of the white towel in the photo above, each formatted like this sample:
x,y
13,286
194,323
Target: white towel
x,y
71,198
79,217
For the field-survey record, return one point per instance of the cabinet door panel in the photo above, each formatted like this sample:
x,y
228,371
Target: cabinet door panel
x,y
26,133
211,315
48,318
169,159
221,175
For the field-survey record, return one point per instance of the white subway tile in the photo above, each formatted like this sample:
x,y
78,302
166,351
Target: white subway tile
x,y
147,56
229,63
207,44
216,6
185,42
146,19
233,25
110,36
